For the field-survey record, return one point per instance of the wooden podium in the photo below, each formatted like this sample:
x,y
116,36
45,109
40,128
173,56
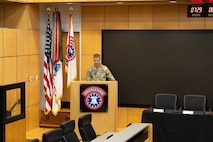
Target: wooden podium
x,y
101,121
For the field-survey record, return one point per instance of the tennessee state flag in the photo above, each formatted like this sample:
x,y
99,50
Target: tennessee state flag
x,y
70,65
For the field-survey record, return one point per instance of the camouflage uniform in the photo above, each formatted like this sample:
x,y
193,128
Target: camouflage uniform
x,y
102,73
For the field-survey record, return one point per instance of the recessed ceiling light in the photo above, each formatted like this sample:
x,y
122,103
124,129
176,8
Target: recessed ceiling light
x,y
119,2
172,1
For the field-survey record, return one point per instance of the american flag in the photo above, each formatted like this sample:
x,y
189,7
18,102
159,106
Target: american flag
x,y
48,71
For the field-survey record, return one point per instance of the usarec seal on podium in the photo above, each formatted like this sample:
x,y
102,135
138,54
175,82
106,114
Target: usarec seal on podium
x,y
93,97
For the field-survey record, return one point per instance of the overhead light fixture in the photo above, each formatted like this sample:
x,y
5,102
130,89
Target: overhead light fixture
x,y
173,1
119,2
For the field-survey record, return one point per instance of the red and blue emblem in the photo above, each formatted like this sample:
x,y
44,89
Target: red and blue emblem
x,y
71,51
93,97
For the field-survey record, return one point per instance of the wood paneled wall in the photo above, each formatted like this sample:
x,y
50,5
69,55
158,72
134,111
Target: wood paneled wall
x,y
15,130
20,58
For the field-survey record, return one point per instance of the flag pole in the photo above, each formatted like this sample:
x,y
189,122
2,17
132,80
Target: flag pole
x,y
47,69
57,62
48,9
70,66
71,9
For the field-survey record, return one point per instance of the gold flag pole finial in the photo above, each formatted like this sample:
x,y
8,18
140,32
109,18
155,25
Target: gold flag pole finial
x,y
48,11
71,9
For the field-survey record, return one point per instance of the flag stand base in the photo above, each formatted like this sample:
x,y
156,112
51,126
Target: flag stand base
x,y
51,121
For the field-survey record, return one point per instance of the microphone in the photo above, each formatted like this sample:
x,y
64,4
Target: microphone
x,y
109,136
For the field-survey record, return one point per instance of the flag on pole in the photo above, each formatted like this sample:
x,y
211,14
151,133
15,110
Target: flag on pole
x,y
57,88
70,65
48,71
57,63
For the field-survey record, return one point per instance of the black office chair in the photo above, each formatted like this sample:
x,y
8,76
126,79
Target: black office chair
x,y
33,140
69,134
85,127
194,103
54,135
166,101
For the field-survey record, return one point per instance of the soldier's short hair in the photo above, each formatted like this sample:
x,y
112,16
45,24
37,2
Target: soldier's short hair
x,y
96,56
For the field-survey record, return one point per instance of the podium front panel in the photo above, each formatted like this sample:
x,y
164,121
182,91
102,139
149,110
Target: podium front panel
x,y
101,121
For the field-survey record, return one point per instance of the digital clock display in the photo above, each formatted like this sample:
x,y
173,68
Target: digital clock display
x,y
205,10
196,11
209,10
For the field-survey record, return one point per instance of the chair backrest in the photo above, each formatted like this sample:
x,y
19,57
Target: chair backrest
x,y
166,101
68,129
33,140
54,135
194,102
85,127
